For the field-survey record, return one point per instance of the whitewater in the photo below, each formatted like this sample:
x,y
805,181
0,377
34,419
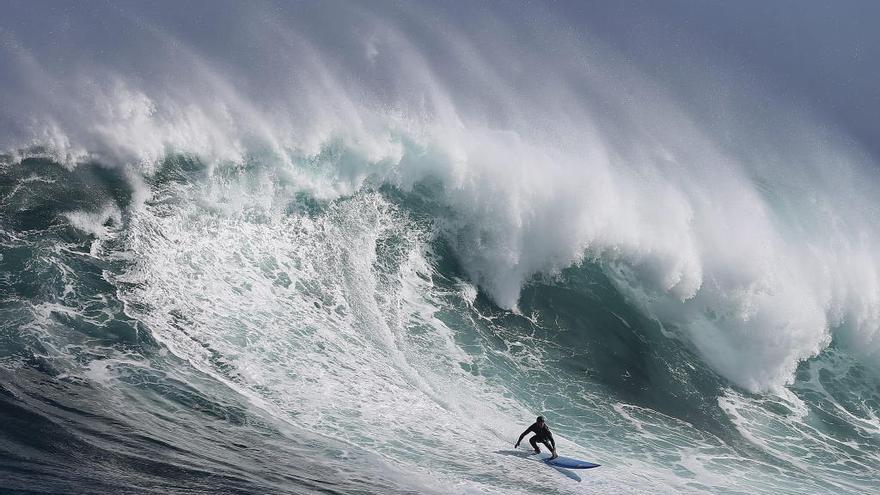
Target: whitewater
x,y
357,247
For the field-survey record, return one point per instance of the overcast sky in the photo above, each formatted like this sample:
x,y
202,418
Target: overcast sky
x,y
824,53
823,56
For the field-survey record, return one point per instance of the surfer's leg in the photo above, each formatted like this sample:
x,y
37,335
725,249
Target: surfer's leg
x,y
550,448
552,451
534,443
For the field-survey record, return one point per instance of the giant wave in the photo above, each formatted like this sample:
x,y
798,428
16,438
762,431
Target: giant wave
x,y
339,219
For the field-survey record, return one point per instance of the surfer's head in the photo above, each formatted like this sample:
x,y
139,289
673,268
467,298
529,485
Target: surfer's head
x,y
540,419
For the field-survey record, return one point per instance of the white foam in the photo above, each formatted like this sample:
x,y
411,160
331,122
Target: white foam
x,y
319,329
808,446
97,223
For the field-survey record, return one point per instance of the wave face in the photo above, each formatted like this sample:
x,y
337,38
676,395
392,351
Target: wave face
x,y
294,248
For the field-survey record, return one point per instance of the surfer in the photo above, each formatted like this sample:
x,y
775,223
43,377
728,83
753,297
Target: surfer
x,y
542,434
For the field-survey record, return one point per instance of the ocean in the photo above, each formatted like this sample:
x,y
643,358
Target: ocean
x,y
357,247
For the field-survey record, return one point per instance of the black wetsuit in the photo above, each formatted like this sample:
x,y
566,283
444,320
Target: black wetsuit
x,y
542,434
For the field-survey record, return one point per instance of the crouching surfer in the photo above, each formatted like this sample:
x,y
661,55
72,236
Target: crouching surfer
x,y
542,435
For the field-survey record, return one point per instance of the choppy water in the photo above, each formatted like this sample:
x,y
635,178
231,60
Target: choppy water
x,y
331,248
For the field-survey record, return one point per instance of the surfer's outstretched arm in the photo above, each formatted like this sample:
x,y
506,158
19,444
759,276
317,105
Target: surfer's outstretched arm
x,y
518,440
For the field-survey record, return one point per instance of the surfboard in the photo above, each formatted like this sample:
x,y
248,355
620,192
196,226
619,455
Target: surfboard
x,y
560,462
567,462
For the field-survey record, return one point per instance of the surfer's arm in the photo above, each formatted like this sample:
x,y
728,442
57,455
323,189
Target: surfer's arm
x,y
518,440
551,440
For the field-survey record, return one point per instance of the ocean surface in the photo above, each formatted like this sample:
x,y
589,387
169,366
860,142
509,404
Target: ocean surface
x,y
356,247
